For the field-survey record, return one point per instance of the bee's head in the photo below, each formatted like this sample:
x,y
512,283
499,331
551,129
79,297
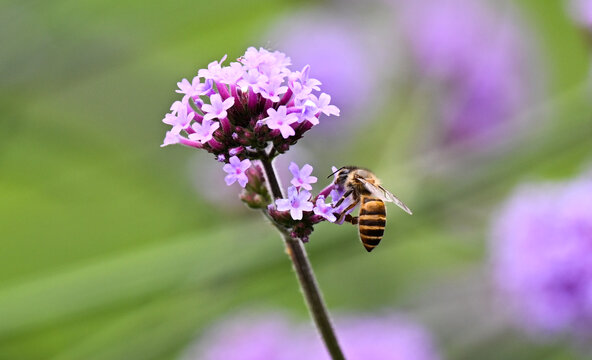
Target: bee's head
x,y
341,174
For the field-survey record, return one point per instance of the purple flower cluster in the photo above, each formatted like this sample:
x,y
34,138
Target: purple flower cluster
x,y
541,248
300,211
276,338
251,108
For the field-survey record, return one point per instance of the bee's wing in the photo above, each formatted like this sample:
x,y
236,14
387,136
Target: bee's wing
x,y
384,195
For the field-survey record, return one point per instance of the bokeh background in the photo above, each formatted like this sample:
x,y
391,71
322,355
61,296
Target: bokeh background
x,y
113,248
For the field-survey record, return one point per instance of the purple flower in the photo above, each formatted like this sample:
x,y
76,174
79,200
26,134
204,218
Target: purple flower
x,y
309,113
253,79
272,89
275,337
192,89
204,132
302,176
170,138
280,120
236,171
323,106
217,108
324,210
179,121
296,203
478,56
213,71
231,74
581,11
540,248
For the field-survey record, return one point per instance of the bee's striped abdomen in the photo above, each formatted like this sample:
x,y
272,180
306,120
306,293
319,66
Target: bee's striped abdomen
x,y
371,222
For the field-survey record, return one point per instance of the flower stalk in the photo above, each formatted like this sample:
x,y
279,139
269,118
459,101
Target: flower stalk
x,y
302,267
245,114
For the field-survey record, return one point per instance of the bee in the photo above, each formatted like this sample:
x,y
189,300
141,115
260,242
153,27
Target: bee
x,y
365,189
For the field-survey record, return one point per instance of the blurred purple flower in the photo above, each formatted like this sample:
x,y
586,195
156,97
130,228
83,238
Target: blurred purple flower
x,y
581,11
276,338
338,52
541,253
477,55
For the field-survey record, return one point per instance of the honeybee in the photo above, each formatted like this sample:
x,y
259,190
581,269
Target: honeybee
x,y
364,187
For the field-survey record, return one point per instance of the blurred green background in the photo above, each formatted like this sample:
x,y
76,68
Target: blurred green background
x,y
108,250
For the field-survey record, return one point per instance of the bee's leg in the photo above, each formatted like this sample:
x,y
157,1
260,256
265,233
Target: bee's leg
x,y
345,195
351,219
343,213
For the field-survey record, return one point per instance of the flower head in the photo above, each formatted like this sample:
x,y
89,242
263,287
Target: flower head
x,y
236,170
541,245
302,176
246,109
296,203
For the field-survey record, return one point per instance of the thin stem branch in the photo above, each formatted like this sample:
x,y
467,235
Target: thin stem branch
x,y
302,267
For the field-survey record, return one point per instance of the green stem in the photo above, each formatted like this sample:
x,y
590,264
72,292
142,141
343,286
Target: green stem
x,y
306,278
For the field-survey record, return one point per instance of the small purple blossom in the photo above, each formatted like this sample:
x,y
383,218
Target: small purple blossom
x,y
324,210
236,171
192,89
179,121
278,119
273,89
217,108
309,113
323,106
302,177
170,138
213,71
254,79
540,248
296,203
204,132
231,74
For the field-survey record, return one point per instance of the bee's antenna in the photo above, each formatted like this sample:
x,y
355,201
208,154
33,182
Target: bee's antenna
x,y
333,173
